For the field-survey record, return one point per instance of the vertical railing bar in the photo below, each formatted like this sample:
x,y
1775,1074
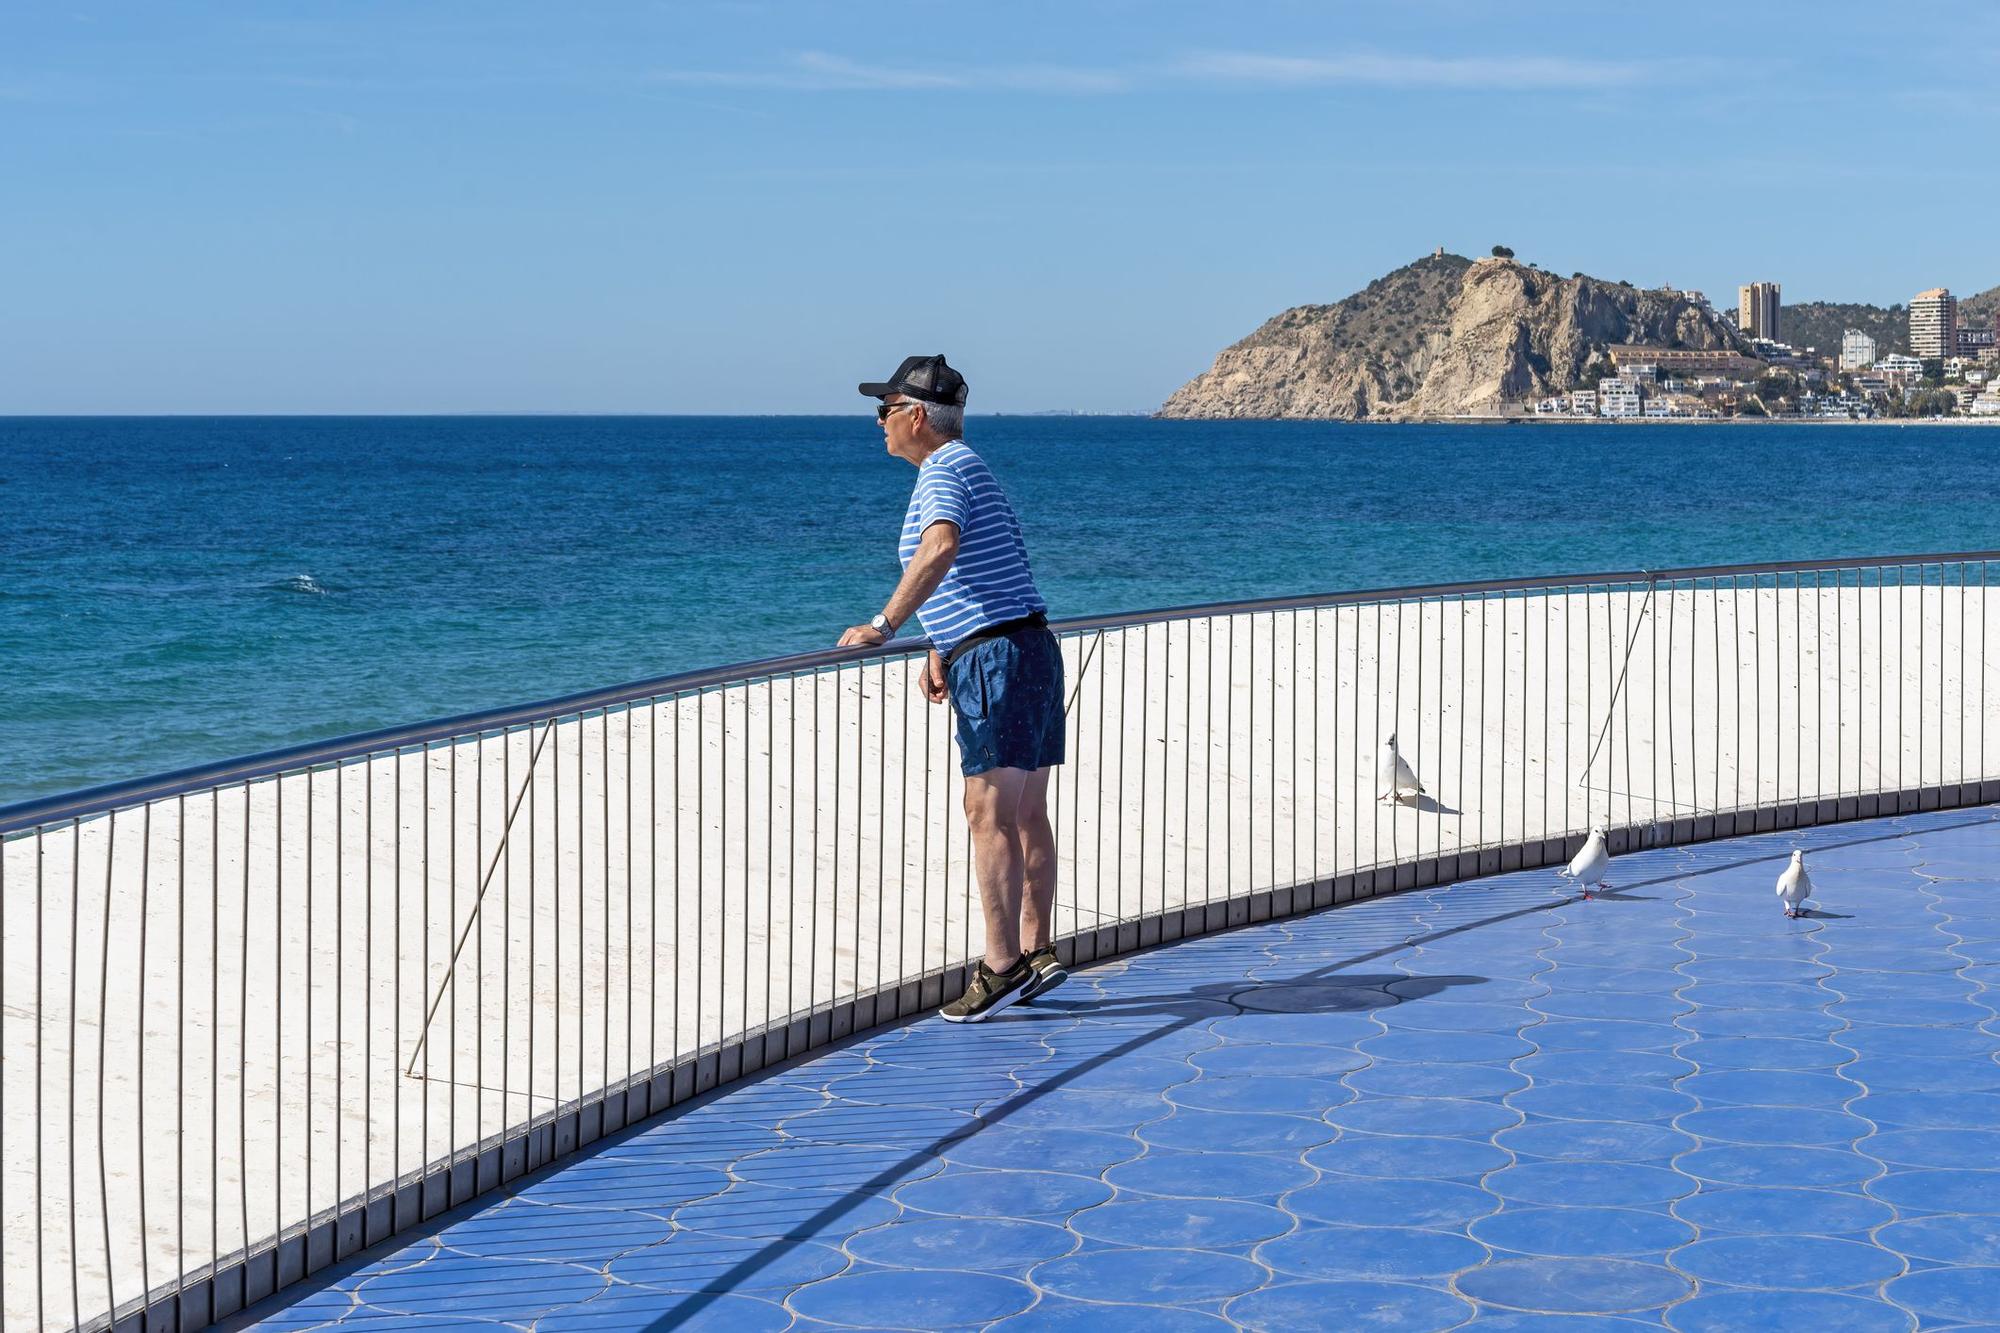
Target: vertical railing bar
x,y
1664,704
1097,819
1923,617
1317,688
1902,678
479,1026
833,924
701,866
1464,609
1396,721
1208,773
534,942
881,822
792,848
1118,795
1437,819
1249,753
603,988
145,911
1145,745
214,1033
812,961
243,1034
306,1181
451,1138
1229,765
771,850
1375,844
1367,762
180,1045
1167,758
860,819
278,1027
582,920
944,892
105,975
722,878
339,981
1485,690
506,853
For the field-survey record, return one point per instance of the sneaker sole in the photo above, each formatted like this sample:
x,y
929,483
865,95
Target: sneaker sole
x,y
1045,982
1018,993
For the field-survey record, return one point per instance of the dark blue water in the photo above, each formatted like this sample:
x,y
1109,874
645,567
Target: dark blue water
x,y
177,590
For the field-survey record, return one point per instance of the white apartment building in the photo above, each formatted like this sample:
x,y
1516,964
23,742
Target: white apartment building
x,y
1617,397
1857,349
1583,402
1897,365
1986,404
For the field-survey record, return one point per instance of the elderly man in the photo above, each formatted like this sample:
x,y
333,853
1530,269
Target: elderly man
x,y
965,572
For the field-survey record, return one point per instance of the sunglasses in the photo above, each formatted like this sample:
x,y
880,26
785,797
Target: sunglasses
x,y
883,412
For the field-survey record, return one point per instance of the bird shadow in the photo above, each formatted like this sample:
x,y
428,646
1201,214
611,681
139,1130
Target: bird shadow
x,y
1817,914
1424,804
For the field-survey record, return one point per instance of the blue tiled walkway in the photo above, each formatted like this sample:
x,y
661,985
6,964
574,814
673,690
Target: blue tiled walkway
x,y
1486,1103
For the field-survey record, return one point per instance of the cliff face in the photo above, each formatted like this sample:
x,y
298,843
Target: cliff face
x,y
1440,337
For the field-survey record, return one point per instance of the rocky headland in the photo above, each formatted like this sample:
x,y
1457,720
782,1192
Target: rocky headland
x,y
1445,336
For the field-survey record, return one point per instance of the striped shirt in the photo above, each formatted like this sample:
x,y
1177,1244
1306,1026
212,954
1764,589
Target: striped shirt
x,y
989,581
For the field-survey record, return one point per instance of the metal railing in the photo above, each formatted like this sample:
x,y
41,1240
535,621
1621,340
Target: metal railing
x,y
260,1015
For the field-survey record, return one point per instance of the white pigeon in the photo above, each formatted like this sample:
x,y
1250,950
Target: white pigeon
x,y
1587,867
1398,781
1795,886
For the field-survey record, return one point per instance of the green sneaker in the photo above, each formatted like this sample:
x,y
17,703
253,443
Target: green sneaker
x,y
1049,972
989,993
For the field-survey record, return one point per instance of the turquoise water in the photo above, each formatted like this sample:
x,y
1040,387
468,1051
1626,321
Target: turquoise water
x,y
183,589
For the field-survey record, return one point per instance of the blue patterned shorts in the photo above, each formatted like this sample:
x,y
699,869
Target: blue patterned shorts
x,y
1007,694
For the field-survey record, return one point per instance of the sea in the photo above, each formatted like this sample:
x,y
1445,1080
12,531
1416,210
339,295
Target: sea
x,y
180,590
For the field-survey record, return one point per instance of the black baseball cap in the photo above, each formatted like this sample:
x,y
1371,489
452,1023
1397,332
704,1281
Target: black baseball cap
x,y
925,378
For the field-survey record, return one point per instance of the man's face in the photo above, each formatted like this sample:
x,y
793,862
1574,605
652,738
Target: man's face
x,y
900,429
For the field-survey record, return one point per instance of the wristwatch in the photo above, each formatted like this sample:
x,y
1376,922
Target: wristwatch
x,y
880,624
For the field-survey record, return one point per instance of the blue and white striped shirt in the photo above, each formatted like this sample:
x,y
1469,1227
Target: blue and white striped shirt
x,y
989,581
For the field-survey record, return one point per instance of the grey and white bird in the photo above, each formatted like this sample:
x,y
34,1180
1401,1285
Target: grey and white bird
x,y
1587,867
1795,885
1398,781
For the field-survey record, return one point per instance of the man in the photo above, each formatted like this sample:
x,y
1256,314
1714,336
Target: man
x,y
965,572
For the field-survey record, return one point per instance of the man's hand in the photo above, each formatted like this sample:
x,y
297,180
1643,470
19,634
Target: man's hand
x,y
861,636
933,679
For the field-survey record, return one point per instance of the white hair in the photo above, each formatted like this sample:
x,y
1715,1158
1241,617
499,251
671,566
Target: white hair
x,y
947,419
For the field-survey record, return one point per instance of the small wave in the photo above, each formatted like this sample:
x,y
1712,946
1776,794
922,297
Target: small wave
x,y
303,583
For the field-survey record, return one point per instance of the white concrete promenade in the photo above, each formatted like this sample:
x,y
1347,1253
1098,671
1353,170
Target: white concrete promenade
x,y
222,992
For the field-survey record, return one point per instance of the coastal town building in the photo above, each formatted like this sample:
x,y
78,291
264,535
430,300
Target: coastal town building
x,y
1986,404
1583,402
1857,349
1757,309
1899,367
1618,397
1933,324
1974,341
1685,361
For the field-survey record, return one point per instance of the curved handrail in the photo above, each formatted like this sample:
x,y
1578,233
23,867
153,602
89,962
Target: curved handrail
x,y
95,800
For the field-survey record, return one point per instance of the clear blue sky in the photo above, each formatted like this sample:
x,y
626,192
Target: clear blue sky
x,y
331,205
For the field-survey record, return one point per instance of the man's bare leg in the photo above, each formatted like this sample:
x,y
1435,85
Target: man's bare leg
x,y
993,812
1037,839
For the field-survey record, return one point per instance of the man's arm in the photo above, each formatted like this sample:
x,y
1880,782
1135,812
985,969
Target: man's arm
x,y
937,548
